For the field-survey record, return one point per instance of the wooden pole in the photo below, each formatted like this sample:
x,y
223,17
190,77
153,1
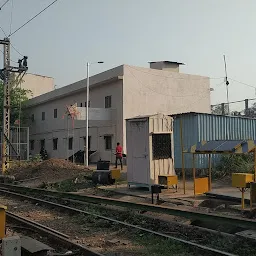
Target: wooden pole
x,y
194,173
182,158
255,165
210,173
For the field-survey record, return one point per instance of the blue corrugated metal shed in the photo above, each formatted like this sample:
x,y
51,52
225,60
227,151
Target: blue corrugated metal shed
x,y
205,127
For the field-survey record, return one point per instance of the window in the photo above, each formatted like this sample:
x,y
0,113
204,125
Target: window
x,y
88,104
32,117
55,113
42,143
89,142
70,143
43,115
32,145
108,102
55,143
161,144
108,142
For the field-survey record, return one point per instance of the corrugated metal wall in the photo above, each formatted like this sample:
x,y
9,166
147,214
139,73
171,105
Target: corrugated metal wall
x,y
197,127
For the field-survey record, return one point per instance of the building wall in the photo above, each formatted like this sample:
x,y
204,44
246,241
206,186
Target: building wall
x,y
58,127
197,127
150,91
37,84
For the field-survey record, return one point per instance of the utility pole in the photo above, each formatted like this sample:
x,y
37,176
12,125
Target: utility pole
x,y
86,153
6,107
8,86
226,80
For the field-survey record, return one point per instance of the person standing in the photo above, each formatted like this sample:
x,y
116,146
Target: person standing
x,y
119,155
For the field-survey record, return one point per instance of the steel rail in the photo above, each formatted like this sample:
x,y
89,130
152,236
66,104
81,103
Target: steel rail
x,y
53,234
210,217
78,211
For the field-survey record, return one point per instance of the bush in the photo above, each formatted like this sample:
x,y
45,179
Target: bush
x,y
234,163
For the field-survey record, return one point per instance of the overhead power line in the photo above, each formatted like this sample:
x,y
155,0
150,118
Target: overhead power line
x,y
16,50
33,18
3,31
243,83
4,4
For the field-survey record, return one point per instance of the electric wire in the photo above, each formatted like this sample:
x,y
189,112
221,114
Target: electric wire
x,y
32,18
3,31
242,83
4,4
16,50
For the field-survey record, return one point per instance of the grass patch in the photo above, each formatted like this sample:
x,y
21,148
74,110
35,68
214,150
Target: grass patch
x,y
234,163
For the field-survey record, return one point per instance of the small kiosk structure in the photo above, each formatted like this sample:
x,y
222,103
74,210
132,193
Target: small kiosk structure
x,y
150,151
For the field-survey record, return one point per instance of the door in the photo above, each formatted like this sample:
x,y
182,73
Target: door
x,y
140,152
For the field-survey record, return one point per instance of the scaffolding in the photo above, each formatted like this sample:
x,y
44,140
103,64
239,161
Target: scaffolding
x,y
19,143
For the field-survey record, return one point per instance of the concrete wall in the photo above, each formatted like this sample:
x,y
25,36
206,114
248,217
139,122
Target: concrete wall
x,y
37,84
150,91
167,66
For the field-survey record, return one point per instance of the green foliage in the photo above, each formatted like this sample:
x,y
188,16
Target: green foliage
x,y
234,163
36,158
17,95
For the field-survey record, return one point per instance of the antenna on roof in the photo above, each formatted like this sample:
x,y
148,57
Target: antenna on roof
x,y
226,80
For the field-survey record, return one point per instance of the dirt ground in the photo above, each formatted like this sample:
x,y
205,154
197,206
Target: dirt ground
x,y
34,173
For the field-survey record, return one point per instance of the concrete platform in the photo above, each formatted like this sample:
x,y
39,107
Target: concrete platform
x,y
144,193
220,190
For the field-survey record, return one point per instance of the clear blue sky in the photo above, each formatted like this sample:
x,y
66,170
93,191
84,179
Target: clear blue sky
x,y
196,32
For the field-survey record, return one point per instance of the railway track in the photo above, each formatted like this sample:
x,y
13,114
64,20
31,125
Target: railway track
x,y
53,235
17,190
189,214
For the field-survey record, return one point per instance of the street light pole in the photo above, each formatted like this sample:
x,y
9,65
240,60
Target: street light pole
x,y
87,118
87,113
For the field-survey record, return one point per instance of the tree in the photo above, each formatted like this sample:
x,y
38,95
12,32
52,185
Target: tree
x,y
218,109
18,96
251,112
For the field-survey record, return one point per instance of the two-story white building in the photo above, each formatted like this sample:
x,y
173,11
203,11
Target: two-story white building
x,y
127,91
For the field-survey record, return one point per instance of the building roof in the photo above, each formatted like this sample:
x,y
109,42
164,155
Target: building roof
x,y
167,61
108,76
39,75
223,146
210,114
139,117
